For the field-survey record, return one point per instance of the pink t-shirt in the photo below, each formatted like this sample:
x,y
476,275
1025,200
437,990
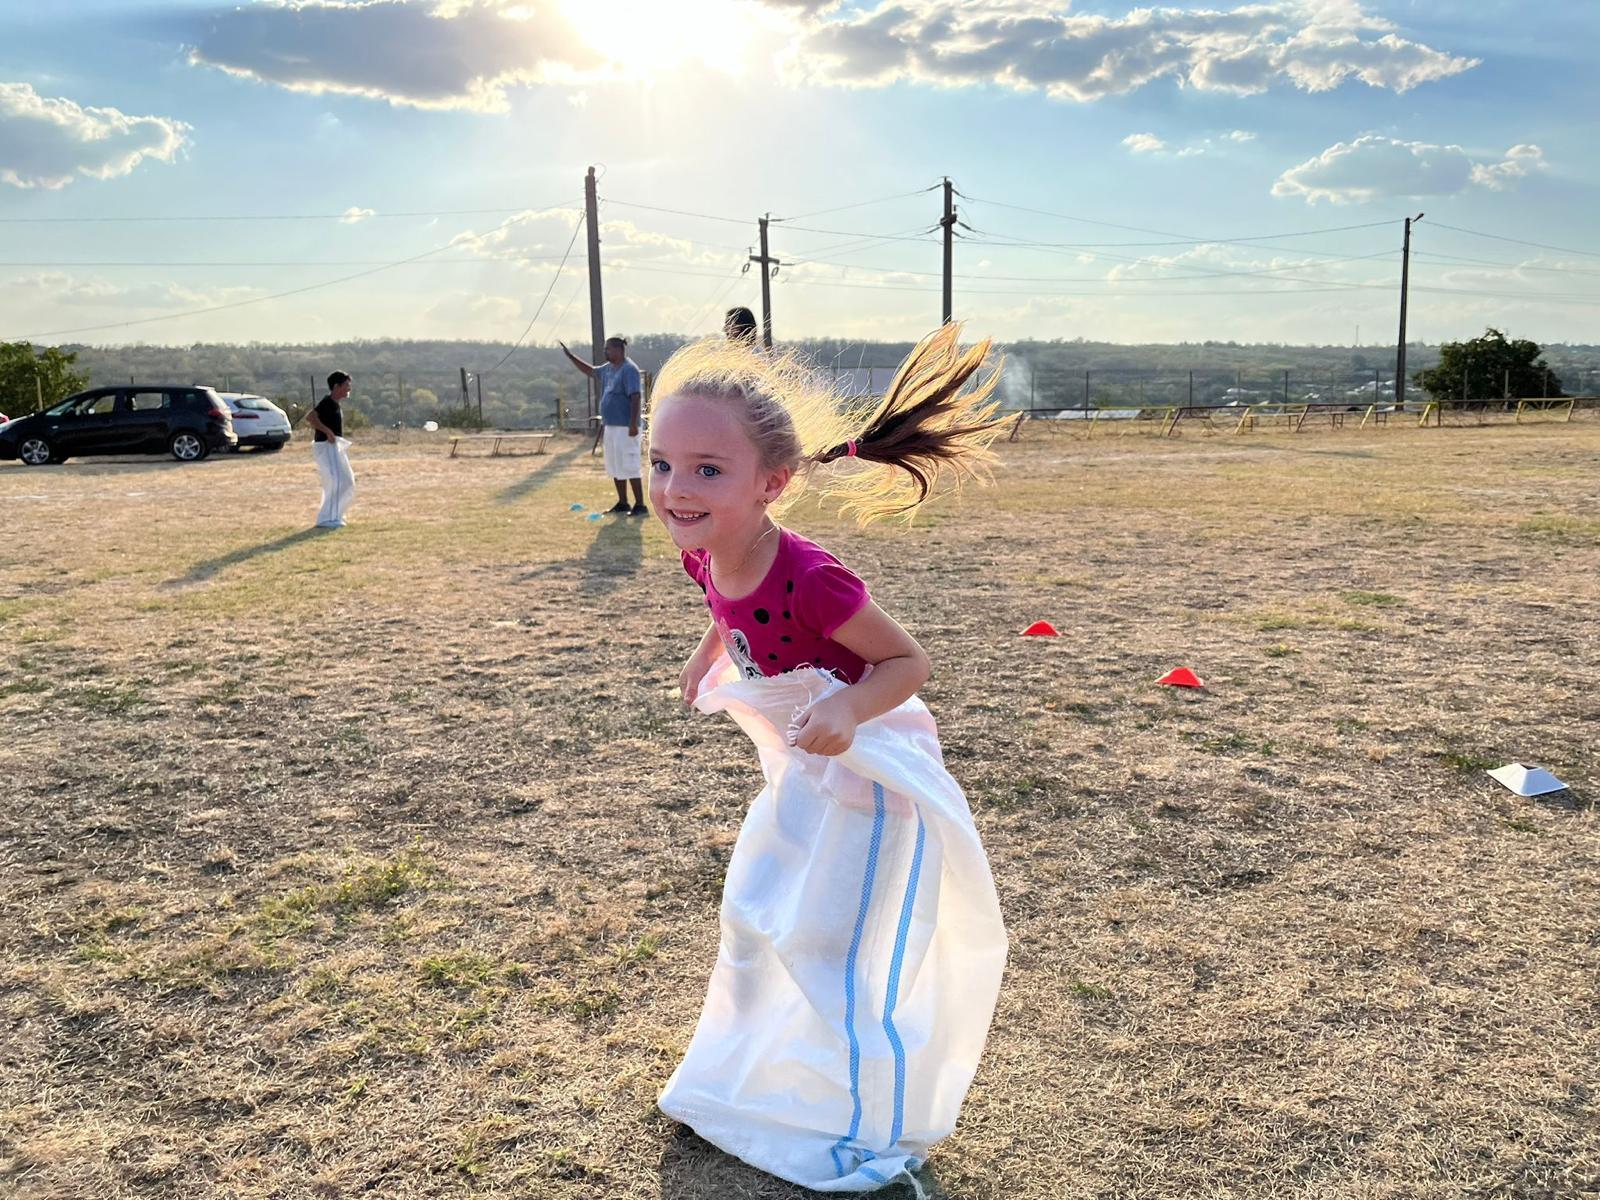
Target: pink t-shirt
x,y
789,620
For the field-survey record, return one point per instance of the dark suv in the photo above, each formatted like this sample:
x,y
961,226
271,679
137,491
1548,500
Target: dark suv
x,y
187,422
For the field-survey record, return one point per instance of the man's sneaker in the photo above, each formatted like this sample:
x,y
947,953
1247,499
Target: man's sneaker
x,y
619,507
639,510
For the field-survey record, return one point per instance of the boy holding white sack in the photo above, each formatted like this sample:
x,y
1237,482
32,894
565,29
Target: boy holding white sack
x,y
328,451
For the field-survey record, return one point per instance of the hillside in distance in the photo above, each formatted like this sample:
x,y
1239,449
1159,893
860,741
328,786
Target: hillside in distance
x,y
412,381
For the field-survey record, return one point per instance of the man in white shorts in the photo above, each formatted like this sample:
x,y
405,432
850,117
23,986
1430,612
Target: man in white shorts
x,y
621,395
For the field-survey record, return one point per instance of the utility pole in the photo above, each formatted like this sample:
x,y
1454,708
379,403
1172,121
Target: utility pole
x,y
466,396
948,224
597,311
400,386
1400,350
769,268
479,380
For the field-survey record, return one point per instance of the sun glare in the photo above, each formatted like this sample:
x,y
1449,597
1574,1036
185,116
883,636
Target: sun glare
x,y
645,37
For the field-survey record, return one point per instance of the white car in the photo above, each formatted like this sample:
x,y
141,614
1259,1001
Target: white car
x,y
258,421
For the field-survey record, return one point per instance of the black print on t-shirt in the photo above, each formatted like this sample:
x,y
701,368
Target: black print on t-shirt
x,y
739,652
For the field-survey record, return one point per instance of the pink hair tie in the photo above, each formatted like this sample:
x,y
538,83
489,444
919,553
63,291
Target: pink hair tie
x,y
850,448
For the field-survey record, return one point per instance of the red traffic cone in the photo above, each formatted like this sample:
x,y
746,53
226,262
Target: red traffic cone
x,y
1040,629
1181,677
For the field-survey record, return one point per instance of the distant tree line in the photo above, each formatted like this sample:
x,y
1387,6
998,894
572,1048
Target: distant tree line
x,y
409,382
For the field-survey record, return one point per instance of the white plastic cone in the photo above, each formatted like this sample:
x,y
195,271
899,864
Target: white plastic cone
x,y
1526,781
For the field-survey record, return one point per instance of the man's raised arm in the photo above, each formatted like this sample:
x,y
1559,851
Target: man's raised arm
x,y
586,368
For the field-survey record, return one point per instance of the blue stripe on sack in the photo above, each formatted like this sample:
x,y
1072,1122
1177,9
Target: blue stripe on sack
x,y
876,1176
850,978
893,995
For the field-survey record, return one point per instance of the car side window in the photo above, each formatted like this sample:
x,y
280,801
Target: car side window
x,y
148,401
98,406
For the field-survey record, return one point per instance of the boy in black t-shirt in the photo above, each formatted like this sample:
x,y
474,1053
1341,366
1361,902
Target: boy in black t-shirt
x,y
328,451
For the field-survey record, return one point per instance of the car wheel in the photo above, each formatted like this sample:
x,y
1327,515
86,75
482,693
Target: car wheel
x,y
188,447
35,451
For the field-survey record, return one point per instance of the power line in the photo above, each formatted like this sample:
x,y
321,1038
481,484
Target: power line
x,y
570,244
1515,241
869,284
681,212
1198,272
195,312
1181,238
344,216
859,204
859,244
1315,287
1487,262
718,294
850,233
1103,279
310,262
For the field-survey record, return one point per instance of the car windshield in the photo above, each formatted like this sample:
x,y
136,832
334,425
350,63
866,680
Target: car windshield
x,y
66,406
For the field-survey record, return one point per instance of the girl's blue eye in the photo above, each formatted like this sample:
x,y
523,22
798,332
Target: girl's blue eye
x,y
709,472
659,465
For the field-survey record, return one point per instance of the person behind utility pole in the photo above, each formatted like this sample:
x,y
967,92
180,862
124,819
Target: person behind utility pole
x,y
621,392
740,325
328,451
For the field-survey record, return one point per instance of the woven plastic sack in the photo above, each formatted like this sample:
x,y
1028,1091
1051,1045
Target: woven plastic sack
x,y
338,480
861,950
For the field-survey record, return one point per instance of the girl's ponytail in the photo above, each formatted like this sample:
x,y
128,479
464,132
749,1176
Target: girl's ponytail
x,y
929,426
888,455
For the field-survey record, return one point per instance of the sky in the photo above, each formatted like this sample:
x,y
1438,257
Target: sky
x,y
184,171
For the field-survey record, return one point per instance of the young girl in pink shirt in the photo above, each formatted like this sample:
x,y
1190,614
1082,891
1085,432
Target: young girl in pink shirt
x,y
862,944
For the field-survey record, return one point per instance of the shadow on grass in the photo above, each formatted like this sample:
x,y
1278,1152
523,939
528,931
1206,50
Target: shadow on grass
x,y
1314,451
614,555
542,474
203,571
693,1169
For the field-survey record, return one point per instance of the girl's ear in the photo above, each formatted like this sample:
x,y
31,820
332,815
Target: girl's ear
x,y
776,481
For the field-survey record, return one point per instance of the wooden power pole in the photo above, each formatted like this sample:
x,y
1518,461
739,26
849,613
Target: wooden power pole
x,y
597,311
948,222
1400,350
769,268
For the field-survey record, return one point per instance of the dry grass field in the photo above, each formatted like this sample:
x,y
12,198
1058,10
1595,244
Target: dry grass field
x,y
386,863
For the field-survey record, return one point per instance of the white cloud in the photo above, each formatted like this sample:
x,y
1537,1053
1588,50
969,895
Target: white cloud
x,y
1208,262
62,289
1315,45
536,240
456,55
487,315
466,54
1149,143
1519,162
1374,167
354,216
49,142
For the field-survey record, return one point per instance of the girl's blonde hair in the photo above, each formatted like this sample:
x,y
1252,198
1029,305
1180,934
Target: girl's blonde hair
x,y
928,428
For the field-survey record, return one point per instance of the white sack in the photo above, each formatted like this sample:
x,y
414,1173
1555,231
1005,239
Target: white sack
x,y
861,950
